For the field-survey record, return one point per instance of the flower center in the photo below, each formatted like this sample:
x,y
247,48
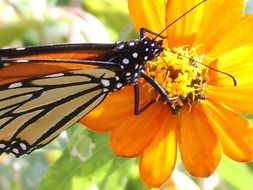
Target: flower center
x,y
181,74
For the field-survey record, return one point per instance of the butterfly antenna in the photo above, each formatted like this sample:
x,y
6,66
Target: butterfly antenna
x,y
173,22
211,68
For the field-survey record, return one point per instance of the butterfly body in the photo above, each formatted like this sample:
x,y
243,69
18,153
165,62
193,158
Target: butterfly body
x,y
37,106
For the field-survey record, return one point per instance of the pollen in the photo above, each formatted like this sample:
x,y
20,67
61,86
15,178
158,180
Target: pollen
x,y
182,74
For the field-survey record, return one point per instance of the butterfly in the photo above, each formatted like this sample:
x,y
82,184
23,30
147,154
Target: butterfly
x,y
46,89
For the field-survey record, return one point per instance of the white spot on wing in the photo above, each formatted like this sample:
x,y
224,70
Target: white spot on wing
x,y
2,146
146,58
6,64
23,146
105,82
15,85
121,46
119,85
15,150
55,75
125,61
128,74
136,66
20,48
131,43
22,61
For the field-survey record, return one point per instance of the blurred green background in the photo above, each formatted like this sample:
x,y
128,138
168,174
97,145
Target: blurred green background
x,y
80,159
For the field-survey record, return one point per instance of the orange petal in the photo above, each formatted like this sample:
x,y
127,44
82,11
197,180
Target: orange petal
x,y
158,160
115,106
234,132
184,31
237,62
134,133
238,98
199,146
217,21
149,14
240,34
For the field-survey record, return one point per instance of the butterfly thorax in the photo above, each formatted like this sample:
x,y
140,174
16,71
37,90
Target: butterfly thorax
x,y
131,57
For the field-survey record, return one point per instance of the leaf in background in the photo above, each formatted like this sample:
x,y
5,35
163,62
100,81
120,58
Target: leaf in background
x,y
113,15
237,175
10,32
87,162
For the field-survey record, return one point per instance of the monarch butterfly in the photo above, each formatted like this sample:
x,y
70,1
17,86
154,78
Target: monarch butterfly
x,y
46,89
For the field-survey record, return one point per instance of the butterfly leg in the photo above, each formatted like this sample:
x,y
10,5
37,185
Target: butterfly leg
x,y
145,30
159,89
137,109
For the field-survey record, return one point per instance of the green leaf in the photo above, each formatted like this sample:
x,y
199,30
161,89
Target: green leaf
x,y
237,175
86,163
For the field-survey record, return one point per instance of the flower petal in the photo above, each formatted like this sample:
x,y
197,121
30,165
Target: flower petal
x,y
234,132
199,146
217,22
240,34
149,14
237,62
158,160
238,98
114,107
183,32
134,133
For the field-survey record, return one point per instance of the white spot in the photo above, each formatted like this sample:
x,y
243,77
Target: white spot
x,y
146,58
20,48
156,50
152,45
15,150
119,85
117,77
15,85
121,66
22,61
125,61
105,82
147,49
136,74
136,66
105,90
135,55
131,43
55,75
128,74
121,46
6,64
128,78
23,146
2,146
145,42
13,142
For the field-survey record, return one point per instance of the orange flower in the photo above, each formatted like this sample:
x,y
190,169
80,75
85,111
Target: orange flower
x,y
205,121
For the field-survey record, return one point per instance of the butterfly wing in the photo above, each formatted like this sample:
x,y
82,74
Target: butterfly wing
x,y
17,64
36,110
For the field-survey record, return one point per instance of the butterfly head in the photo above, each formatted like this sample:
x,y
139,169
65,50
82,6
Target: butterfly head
x,y
152,48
